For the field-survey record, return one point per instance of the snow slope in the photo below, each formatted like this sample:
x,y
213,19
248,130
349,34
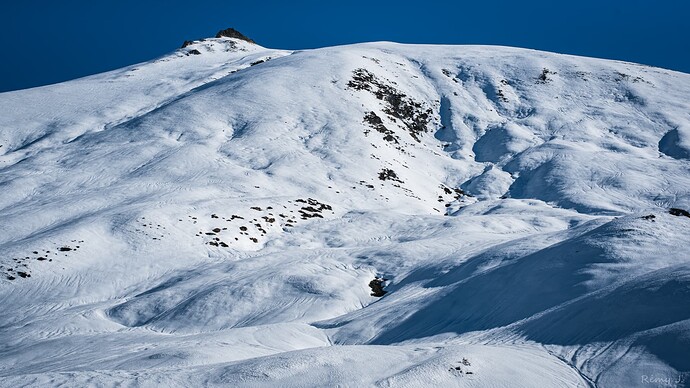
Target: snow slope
x,y
216,216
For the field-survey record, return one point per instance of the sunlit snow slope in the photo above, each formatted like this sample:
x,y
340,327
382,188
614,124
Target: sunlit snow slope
x,y
219,216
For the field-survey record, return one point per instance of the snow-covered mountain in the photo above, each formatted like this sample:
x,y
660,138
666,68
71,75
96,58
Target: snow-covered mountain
x,y
372,214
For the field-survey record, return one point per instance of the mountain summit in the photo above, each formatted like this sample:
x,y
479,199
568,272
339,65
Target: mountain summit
x,y
372,214
232,33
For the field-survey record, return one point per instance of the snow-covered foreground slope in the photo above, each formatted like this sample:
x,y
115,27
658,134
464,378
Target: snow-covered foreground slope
x,y
218,218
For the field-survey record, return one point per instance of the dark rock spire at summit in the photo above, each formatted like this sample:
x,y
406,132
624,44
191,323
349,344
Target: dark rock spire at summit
x,y
233,33
226,33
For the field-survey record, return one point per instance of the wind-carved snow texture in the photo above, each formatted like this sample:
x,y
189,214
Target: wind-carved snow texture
x,y
365,215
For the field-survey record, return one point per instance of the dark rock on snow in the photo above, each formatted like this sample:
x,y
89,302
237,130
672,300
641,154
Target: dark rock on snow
x,y
233,33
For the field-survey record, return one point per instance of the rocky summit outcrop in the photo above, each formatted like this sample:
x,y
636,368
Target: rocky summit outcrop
x,y
232,33
226,33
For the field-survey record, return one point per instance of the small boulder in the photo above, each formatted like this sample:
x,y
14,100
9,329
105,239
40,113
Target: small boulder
x,y
376,286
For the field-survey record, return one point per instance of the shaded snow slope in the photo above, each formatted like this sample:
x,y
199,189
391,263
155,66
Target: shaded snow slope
x,y
222,212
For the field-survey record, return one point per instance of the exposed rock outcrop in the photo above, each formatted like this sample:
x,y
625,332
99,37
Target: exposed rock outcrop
x,y
233,33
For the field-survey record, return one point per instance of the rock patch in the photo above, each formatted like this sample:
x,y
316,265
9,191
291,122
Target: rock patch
x,y
19,267
376,286
674,211
415,117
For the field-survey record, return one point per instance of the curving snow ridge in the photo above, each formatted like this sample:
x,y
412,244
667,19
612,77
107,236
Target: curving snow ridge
x,y
222,212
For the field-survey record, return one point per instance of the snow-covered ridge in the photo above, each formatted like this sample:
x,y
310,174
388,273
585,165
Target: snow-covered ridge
x,y
227,210
94,103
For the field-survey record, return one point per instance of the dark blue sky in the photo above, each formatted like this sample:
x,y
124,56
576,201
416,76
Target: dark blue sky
x,y
51,41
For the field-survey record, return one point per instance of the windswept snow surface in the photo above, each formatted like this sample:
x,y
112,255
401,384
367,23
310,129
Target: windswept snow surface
x,y
216,216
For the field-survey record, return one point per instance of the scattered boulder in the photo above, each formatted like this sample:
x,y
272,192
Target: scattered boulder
x,y
544,76
376,286
388,174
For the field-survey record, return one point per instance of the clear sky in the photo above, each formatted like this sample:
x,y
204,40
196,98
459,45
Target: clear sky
x,y
50,41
